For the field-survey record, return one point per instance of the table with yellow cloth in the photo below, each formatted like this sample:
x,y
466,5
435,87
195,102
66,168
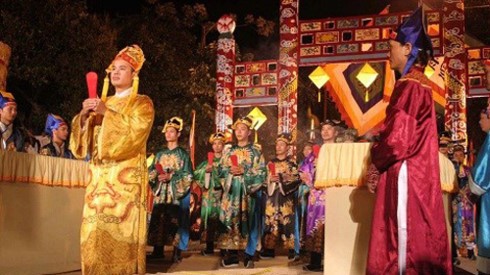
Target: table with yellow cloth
x,y
41,200
341,169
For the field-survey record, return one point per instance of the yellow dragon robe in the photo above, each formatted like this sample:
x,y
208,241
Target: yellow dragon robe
x,y
113,231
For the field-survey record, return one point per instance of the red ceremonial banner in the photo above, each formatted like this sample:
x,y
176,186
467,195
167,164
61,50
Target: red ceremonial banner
x,y
159,168
92,84
272,168
210,157
234,160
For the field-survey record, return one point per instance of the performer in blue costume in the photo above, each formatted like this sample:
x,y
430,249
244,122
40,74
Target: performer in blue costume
x,y
57,130
12,137
480,185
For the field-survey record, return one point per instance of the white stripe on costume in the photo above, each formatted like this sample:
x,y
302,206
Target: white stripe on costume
x,y
402,217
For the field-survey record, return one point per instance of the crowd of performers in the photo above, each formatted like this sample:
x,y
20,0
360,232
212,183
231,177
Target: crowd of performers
x,y
251,208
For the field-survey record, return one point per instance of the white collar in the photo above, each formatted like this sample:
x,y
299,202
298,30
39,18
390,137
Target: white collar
x,y
6,128
124,93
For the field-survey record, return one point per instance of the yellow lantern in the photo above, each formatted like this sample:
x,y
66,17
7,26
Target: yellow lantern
x,y
258,118
367,75
319,77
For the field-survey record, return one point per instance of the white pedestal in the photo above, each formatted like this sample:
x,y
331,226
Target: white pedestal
x,y
348,216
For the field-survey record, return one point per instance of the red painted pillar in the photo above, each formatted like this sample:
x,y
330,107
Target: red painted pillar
x,y
455,66
288,69
225,72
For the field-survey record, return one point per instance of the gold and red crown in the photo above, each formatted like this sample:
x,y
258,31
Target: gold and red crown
x,y
131,54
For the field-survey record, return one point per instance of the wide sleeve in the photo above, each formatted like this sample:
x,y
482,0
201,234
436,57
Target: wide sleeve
x,y
480,175
224,165
124,134
398,132
182,178
308,169
200,173
255,176
81,138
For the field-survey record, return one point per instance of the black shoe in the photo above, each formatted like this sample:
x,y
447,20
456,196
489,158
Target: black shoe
x,y
206,252
248,262
155,256
230,262
292,256
313,268
267,254
456,261
177,255
157,253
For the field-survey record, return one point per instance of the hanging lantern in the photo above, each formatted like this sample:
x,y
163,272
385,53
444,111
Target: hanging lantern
x,y
319,77
367,75
258,118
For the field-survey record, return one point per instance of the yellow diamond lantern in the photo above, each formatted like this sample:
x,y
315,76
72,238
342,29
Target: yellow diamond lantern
x,y
258,118
319,77
367,75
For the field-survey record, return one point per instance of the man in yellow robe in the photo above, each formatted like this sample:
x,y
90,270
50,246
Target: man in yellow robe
x,y
113,134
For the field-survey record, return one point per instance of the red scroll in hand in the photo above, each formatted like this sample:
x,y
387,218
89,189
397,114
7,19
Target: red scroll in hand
x,y
316,150
210,157
234,160
272,168
92,84
159,168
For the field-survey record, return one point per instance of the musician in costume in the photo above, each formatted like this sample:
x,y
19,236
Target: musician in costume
x,y
302,197
281,202
207,176
408,233
57,130
480,184
170,179
243,173
113,132
315,217
12,136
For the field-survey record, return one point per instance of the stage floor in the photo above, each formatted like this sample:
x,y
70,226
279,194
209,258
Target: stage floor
x,y
195,263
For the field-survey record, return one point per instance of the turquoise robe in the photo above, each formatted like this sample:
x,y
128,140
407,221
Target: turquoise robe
x,y
173,199
239,201
479,185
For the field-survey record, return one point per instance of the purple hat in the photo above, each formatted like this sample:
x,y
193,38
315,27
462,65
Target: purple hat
x,y
53,122
412,31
